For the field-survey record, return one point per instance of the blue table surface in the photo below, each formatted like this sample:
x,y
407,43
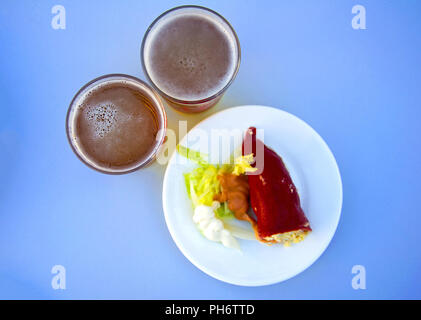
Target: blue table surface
x,y
360,89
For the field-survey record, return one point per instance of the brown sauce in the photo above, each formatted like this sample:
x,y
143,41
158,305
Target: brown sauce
x,y
235,190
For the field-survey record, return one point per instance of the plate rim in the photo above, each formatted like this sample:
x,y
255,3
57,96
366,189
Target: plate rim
x,y
203,268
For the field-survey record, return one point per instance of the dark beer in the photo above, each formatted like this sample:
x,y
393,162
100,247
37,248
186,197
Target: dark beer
x,y
114,125
191,55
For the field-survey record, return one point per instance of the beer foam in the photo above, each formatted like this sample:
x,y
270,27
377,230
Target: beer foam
x,y
102,117
115,125
185,64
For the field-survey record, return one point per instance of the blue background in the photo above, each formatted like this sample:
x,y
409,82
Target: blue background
x,y
360,89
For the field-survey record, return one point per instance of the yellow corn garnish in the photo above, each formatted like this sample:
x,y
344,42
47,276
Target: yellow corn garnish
x,y
242,164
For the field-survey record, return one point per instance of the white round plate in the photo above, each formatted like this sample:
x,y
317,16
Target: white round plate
x,y
315,173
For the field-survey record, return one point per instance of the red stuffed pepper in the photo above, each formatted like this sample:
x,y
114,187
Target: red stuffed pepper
x,y
274,198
